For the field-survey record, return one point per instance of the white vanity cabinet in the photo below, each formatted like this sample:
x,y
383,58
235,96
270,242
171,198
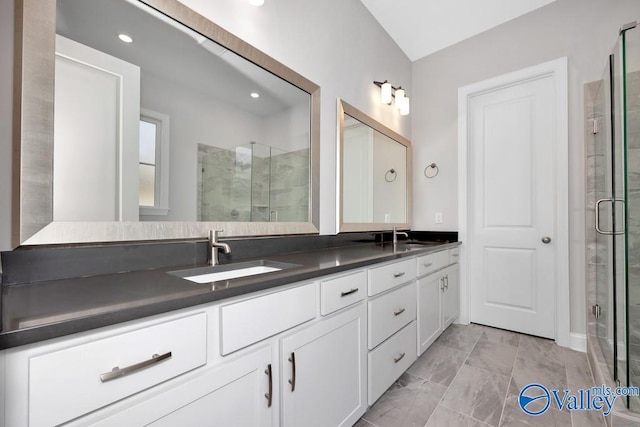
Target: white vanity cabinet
x,y
450,295
429,311
391,314
225,363
306,354
323,371
438,295
238,392
61,380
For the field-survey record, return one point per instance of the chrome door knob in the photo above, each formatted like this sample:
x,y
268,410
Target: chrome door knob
x,y
546,240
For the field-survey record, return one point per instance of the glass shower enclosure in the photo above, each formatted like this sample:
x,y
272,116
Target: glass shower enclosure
x,y
614,190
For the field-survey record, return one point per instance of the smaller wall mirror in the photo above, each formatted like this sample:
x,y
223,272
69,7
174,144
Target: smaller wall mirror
x,y
374,174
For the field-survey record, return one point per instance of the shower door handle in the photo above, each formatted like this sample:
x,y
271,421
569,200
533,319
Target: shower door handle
x,y
597,219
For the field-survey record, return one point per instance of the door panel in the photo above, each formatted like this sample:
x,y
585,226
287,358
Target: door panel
x,y
503,289
512,200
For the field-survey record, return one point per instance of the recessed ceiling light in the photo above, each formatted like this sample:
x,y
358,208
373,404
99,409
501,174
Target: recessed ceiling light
x,y
255,95
125,38
256,2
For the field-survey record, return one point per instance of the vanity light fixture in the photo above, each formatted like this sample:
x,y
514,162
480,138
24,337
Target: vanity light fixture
x,y
388,91
255,95
385,93
256,2
125,38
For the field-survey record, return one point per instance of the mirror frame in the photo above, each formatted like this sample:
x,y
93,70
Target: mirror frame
x,y
344,108
33,101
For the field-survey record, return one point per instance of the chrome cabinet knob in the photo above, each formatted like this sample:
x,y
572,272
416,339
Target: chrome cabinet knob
x,y
546,239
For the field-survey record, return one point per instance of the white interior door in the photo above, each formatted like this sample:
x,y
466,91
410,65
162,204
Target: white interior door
x,y
96,128
512,205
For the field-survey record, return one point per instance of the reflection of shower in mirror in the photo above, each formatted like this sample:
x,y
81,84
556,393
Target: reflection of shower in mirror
x,y
252,183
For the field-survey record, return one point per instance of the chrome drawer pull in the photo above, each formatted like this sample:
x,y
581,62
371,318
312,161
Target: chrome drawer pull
x,y
398,274
352,291
269,394
399,357
399,312
292,381
428,264
121,372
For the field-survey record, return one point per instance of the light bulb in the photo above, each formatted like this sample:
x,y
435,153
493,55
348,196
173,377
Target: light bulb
x,y
385,93
399,97
404,107
125,38
256,2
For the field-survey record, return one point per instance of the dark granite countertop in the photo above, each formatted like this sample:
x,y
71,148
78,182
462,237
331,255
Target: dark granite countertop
x,y
49,309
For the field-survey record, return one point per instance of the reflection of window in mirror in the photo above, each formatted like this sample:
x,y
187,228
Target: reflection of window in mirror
x,y
153,191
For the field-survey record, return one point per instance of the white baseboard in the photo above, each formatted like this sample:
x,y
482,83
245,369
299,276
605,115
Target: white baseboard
x,y
578,342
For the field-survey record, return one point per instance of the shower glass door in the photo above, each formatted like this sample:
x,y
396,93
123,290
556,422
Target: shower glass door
x,y
608,188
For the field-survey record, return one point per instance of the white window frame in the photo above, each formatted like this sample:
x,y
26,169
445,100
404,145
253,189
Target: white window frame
x,y
161,207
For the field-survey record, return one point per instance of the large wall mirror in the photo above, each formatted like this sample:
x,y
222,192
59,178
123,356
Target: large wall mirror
x,y
374,173
143,120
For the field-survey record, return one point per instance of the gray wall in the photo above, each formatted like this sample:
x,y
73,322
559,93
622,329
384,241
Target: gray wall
x,y
6,96
582,30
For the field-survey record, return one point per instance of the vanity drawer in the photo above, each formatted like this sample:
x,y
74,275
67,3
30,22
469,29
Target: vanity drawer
x,y
390,360
342,291
390,312
440,259
426,264
68,383
391,275
454,255
246,322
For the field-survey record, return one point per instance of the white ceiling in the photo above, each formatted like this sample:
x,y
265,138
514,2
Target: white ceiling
x,y
422,27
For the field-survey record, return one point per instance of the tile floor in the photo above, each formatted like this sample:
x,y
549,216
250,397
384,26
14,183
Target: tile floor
x,y
472,375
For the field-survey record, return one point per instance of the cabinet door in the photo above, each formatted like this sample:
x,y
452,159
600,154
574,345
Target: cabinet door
x,y
451,295
324,372
429,314
232,394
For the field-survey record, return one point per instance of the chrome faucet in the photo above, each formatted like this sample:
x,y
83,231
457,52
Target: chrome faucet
x,y
396,233
214,245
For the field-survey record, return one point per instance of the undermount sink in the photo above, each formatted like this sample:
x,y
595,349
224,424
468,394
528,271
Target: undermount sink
x,y
220,272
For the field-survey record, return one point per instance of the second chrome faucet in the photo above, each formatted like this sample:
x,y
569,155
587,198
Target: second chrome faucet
x,y
397,233
214,245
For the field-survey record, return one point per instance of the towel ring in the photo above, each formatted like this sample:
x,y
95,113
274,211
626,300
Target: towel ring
x,y
391,175
431,170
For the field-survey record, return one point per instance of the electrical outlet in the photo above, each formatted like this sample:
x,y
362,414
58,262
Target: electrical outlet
x,y
387,218
438,217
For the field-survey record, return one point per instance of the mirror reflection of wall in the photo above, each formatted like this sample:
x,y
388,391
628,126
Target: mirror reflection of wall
x,y
389,180
105,172
374,176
